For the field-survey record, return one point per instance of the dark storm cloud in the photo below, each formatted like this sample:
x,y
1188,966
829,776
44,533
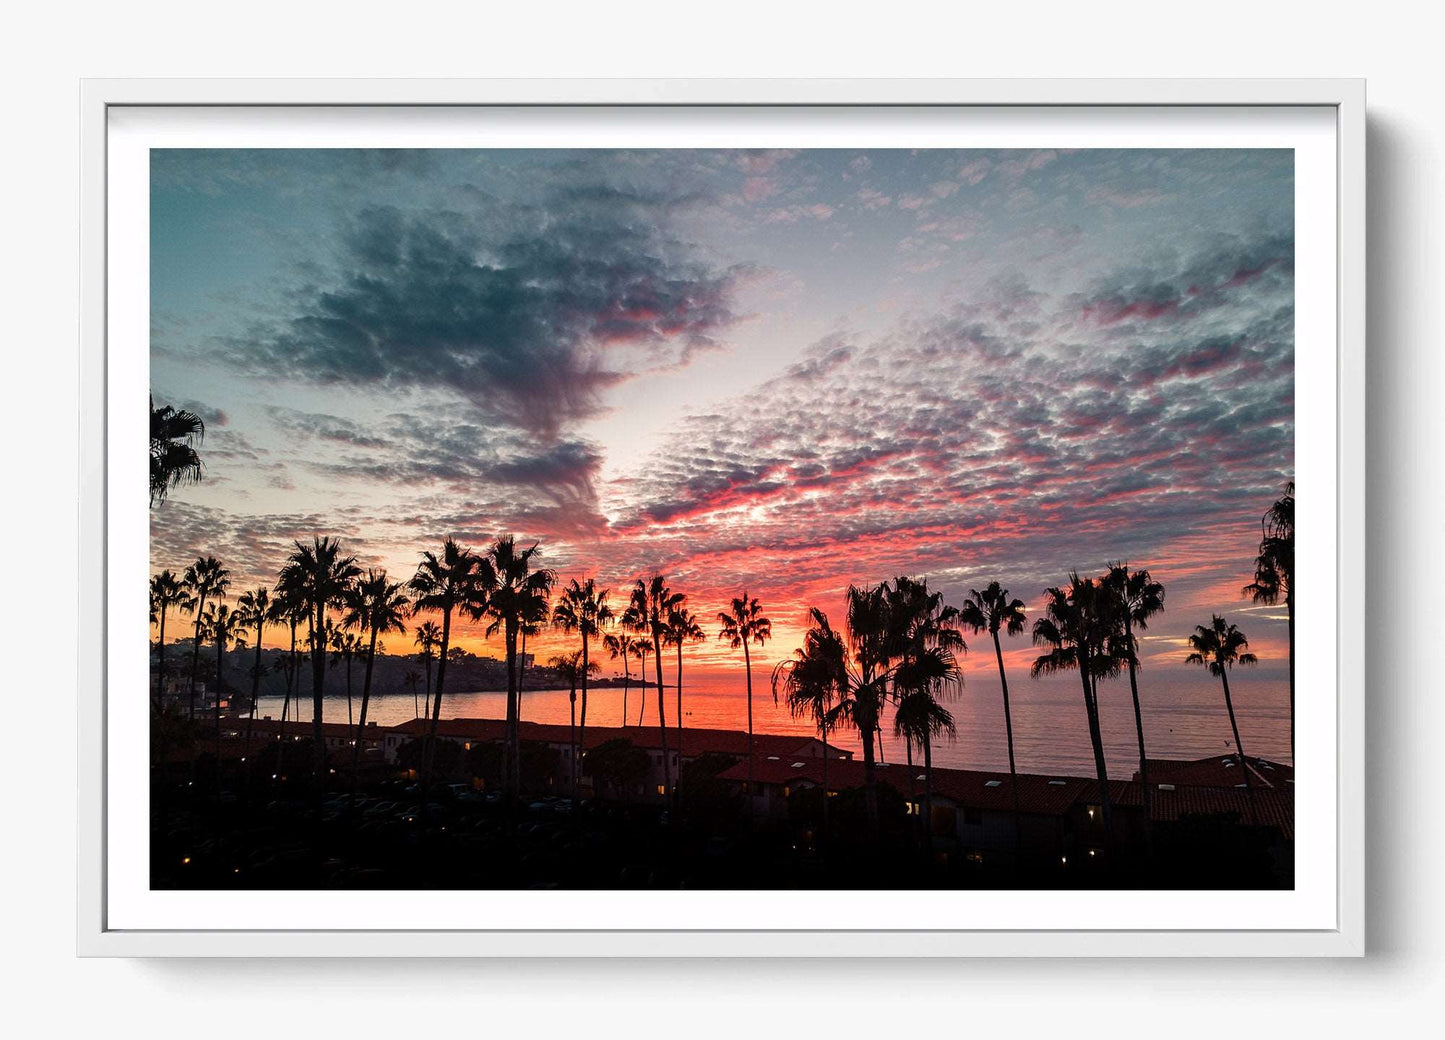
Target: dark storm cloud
x,y
529,328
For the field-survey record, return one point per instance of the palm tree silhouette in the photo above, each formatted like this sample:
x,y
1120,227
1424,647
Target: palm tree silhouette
x,y
515,590
647,612
925,651
742,624
1274,575
812,680
166,591
412,679
204,581
682,627
582,608
1137,597
174,460
444,584
1218,647
322,576
1076,627
620,644
374,605
534,616
870,637
226,627
569,666
256,610
428,638
994,610
290,609
640,649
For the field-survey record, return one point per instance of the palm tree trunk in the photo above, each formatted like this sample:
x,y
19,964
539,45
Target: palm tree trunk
x,y
1143,756
572,739
1239,749
824,729
626,684
196,656
255,692
1096,738
161,664
667,785
870,793
908,758
927,792
318,691
1008,726
521,672
514,741
748,669
679,696
349,720
361,722
582,727
220,655
428,752
642,677
426,703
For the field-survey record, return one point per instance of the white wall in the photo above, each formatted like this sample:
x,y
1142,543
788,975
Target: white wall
x,y
49,46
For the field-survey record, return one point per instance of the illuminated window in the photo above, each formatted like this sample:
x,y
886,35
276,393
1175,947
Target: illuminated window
x,y
661,789
787,791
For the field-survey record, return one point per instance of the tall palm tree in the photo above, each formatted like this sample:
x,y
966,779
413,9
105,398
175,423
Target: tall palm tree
x,y
569,666
322,575
166,591
290,610
619,644
870,636
375,605
742,624
1220,646
227,628
534,616
516,589
812,680
1137,597
652,600
256,610
428,638
682,627
1076,627
203,581
412,679
993,610
174,460
1274,575
445,584
925,648
640,649
583,608
345,645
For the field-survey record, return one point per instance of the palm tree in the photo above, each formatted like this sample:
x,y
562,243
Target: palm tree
x,y
1076,627
925,649
534,616
570,668
919,720
322,576
1137,597
375,605
166,591
289,609
620,644
682,627
811,680
174,460
646,613
994,610
870,644
640,649
1219,646
583,608
203,581
255,609
514,589
227,628
444,584
428,638
1274,575
344,646
743,624
412,680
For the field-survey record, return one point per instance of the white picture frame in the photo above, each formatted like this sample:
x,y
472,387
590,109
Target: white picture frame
x,y
1345,98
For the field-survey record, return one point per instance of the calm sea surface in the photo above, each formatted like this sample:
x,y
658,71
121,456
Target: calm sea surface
x,y
1184,717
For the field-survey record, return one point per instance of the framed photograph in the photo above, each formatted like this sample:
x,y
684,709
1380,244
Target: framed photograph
x,y
722,518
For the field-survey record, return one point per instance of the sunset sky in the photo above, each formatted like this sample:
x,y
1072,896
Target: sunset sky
x,y
785,371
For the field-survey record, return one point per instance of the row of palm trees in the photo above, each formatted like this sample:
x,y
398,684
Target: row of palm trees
x,y
899,646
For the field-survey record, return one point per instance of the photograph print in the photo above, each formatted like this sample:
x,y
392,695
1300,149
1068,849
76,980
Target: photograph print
x,y
721,519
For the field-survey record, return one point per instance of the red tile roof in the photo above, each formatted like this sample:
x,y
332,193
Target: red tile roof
x,y
1219,771
694,742
272,727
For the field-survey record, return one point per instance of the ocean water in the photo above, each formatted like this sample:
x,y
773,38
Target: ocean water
x,y
1184,717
